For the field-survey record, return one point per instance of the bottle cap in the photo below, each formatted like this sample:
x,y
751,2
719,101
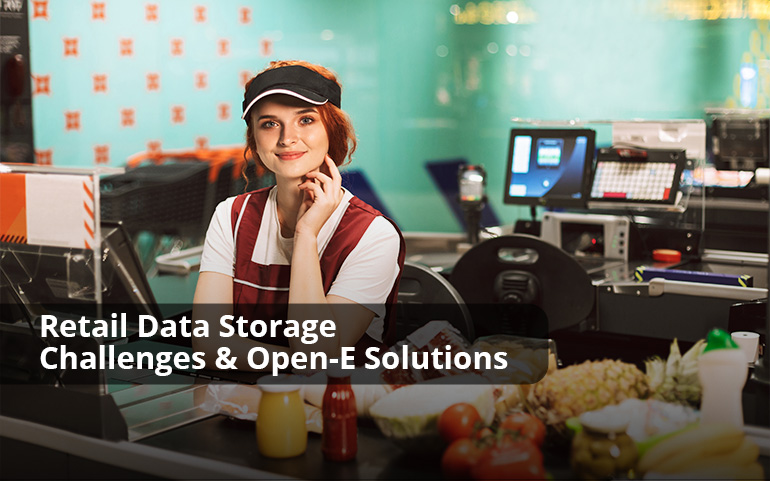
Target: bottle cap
x,y
279,383
335,369
666,255
720,339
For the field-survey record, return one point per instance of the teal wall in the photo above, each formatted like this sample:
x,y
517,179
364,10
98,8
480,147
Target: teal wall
x,y
423,79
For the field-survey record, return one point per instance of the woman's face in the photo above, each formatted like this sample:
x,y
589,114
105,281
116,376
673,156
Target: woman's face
x,y
291,139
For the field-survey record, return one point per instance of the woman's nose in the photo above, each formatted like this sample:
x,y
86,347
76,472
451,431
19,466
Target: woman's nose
x,y
288,136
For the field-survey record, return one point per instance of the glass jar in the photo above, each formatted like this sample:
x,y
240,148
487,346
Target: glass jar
x,y
602,455
339,441
281,428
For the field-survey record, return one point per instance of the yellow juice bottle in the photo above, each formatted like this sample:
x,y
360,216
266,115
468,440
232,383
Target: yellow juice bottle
x,y
281,429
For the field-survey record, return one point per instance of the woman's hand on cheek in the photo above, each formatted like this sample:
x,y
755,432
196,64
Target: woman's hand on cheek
x,y
321,195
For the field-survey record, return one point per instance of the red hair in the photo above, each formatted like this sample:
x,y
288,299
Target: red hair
x,y
339,129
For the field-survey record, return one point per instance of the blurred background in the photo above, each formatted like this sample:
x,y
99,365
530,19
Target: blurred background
x,y
425,82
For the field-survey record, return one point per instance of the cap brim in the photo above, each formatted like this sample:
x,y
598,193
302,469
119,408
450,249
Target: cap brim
x,y
300,93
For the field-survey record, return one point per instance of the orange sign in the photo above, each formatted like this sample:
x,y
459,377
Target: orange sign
x,y
13,215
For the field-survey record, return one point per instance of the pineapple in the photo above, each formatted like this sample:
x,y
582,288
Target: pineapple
x,y
676,379
591,385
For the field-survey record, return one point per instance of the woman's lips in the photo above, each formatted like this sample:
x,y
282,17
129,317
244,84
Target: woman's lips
x,y
290,155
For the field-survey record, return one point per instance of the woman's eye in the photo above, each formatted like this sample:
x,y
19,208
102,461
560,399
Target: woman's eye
x,y
307,120
269,124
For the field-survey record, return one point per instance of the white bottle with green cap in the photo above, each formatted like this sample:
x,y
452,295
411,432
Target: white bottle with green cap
x,y
722,370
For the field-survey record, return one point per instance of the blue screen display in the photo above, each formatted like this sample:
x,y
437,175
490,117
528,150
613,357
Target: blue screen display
x,y
548,166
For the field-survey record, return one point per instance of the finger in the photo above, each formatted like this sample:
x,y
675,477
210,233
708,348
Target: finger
x,y
330,186
312,188
320,176
334,171
336,177
304,187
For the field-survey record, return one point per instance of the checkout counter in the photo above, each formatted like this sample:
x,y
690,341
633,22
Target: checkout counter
x,y
114,426
137,427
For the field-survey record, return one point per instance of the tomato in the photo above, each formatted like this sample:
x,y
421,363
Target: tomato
x,y
515,460
458,421
459,458
527,425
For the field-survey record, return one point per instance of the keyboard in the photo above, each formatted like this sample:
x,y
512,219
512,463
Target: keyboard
x,y
633,181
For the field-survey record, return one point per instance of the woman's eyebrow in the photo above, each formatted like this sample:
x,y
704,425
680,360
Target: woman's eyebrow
x,y
308,110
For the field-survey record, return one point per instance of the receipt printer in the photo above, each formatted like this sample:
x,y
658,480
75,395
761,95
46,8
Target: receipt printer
x,y
587,235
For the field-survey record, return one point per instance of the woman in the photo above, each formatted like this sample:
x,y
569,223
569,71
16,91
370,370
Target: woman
x,y
305,248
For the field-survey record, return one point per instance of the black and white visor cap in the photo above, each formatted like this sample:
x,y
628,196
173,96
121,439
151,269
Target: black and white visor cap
x,y
294,80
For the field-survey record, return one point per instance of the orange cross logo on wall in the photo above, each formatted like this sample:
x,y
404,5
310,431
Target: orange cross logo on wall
x,y
200,14
70,47
201,80
97,11
72,119
126,47
151,12
223,111
100,83
44,157
202,143
267,47
153,81
177,45
224,47
101,154
245,15
42,84
127,117
177,114
40,9
245,77
153,147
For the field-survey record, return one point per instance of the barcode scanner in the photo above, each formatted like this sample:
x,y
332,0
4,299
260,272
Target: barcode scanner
x,y
472,182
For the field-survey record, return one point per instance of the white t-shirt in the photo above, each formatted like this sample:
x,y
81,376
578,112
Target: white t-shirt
x,y
366,277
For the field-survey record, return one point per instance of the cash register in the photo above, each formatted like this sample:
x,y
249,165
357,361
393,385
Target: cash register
x,y
556,168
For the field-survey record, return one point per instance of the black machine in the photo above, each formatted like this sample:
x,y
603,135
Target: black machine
x,y
740,142
527,287
16,137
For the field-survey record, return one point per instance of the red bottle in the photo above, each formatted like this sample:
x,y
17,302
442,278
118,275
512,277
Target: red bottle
x,y
339,441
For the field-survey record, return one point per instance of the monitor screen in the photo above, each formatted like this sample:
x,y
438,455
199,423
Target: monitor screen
x,y
549,167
